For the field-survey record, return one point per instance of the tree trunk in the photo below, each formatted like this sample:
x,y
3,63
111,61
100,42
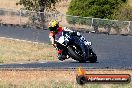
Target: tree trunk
x,y
42,14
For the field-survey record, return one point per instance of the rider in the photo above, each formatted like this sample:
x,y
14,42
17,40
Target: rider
x,y
56,33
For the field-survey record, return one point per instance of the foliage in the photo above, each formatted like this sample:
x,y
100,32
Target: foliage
x,y
110,23
123,13
37,5
79,20
101,23
108,9
94,8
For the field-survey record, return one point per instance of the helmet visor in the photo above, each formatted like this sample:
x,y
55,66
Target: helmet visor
x,y
51,28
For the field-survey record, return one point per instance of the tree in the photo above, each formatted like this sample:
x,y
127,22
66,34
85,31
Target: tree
x,y
38,6
94,8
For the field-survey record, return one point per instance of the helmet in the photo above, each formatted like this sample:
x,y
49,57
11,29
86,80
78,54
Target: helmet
x,y
53,25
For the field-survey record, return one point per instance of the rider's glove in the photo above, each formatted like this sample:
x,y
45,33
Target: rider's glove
x,y
53,45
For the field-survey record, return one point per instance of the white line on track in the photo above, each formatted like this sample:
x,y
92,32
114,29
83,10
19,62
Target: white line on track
x,y
43,62
21,40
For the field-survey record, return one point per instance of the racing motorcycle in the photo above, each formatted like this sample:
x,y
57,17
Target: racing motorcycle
x,y
75,46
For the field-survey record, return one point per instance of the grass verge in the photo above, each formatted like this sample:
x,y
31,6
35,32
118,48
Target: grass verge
x,y
12,51
53,79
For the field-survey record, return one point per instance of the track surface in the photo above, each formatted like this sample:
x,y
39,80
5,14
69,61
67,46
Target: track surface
x,y
113,51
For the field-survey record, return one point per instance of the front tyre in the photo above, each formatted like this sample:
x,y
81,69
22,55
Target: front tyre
x,y
93,58
76,53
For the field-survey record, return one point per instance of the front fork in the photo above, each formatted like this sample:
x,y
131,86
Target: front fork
x,y
90,52
61,50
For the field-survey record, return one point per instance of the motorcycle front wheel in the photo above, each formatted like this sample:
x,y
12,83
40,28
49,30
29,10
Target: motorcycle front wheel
x,y
92,57
76,53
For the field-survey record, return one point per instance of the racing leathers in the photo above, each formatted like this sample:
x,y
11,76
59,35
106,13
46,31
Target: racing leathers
x,y
55,36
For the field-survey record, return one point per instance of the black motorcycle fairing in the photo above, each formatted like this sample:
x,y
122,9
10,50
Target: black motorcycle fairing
x,y
78,45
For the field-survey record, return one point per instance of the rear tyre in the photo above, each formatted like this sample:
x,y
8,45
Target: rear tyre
x,y
74,55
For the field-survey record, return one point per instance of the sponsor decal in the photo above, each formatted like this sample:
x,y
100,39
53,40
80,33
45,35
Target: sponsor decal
x,y
83,78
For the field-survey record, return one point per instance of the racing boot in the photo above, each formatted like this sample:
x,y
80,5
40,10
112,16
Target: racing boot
x,y
61,56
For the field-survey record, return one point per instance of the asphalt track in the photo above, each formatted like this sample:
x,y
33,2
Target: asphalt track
x,y
113,51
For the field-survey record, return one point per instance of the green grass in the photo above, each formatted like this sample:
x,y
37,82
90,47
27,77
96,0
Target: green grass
x,y
12,51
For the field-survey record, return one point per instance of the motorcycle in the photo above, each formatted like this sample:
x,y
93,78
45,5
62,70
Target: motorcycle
x,y
75,46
